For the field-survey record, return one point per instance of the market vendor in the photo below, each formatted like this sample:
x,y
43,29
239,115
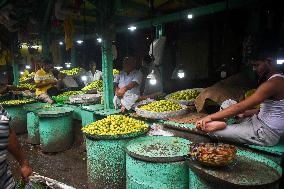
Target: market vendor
x,y
46,83
9,143
261,127
93,74
127,83
67,82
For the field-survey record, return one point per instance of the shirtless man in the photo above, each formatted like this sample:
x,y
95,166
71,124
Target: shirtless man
x,y
261,127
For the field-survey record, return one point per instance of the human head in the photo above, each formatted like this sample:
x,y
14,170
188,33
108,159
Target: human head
x,y
129,64
45,64
263,63
147,61
93,66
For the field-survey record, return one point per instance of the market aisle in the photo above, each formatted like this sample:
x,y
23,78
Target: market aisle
x,y
68,167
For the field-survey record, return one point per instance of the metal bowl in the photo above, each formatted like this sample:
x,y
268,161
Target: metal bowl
x,y
213,154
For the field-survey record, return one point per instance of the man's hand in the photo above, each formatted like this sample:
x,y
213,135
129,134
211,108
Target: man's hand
x,y
200,124
213,126
122,109
117,93
120,92
26,171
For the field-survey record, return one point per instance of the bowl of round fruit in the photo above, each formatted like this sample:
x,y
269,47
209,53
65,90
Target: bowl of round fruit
x,y
186,97
161,109
213,154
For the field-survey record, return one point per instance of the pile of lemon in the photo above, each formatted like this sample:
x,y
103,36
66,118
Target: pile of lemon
x,y
70,93
161,106
115,125
73,71
98,84
15,102
115,72
184,95
27,76
26,86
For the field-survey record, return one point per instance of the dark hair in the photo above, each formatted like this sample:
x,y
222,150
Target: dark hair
x,y
148,59
46,61
263,55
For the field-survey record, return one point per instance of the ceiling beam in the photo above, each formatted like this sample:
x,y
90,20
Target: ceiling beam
x,y
182,15
46,17
136,6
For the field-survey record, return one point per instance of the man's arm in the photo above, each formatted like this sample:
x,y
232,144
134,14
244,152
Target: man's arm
x,y
15,149
3,89
265,91
45,84
135,82
131,85
123,90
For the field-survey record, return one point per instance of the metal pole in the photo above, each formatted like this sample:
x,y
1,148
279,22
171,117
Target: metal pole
x,y
14,63
107,66
159,31
45,44
73,56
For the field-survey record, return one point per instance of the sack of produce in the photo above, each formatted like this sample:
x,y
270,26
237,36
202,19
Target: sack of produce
x,y
73,71
62,98
186,97
161,109
15,102
41,182
85,98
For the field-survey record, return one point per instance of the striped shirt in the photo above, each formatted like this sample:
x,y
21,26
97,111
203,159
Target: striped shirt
x,y
6,179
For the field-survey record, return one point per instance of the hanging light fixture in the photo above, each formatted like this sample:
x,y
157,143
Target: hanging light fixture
x,y
58,67
99,40
280,56
28,67
84,78
178,72
132,28
152,78
79,42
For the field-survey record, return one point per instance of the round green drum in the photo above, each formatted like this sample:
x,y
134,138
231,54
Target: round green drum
x,y
106,160
18,117
249,170
55,129
157,162
33,121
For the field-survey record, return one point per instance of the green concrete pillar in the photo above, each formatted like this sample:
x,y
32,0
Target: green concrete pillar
x,y
107,67
15,66
45,44
159,31
73,56
15,71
